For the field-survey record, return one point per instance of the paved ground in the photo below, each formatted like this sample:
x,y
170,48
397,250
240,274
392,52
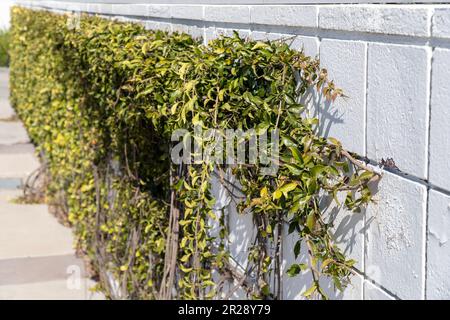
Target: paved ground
x,y
37,260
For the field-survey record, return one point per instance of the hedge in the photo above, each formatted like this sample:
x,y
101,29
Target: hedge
x,y
100,99
4,47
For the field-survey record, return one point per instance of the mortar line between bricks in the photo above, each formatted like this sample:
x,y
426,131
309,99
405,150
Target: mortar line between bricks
x,y
425,248
365,154
428,173
377,285
407,176
366,99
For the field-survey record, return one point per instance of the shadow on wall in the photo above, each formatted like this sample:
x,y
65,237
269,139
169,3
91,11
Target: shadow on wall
x,y
241,226
319,107
349,227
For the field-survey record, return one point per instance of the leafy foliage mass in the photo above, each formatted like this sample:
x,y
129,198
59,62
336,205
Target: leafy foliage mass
x,y
101,101
4,48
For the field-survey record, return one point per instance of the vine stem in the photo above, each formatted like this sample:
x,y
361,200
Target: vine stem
x,y
314,272
241,278
171,246
281,101
279,255
358,163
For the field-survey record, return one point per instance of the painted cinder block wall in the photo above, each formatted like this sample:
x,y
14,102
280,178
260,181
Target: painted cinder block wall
x,y
393,62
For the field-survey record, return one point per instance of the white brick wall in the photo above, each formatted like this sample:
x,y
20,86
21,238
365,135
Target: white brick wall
x,y
401,20
291,16
397,105
441,23
393,61
395,239
231,14
127,10
440,116
438,280
190,12
372,292
345,119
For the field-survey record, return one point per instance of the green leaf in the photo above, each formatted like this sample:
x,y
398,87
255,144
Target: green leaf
x,y
265,290
292,227
366,175
297,248
185,269
303,266
285,189
334,141
312,186
288,142
288,99
317,170
311,220
178,185
196,119
277,194
296,153
260,45
293,169
293,270
310,291
326,262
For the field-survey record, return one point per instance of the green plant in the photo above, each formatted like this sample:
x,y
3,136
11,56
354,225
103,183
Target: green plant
x,y
101,102
4,48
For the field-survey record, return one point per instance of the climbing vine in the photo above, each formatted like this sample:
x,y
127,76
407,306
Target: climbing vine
x,y
101,100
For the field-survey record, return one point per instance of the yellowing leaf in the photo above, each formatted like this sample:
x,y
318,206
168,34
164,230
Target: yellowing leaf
x,y
124,268
326,263
310,291
196,119
260,45
285,189
173,109
183,70
264,192
277,194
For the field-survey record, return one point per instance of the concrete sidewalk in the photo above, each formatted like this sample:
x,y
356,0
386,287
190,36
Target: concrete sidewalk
x,y
37,260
